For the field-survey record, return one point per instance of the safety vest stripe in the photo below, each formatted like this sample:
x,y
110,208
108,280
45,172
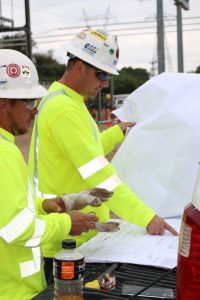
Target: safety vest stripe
x,y
49,196
39,231
17,225
36,139
30,267
111,183
93,166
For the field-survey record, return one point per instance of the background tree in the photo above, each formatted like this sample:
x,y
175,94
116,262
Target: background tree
x,y
48,67
197,69
128,80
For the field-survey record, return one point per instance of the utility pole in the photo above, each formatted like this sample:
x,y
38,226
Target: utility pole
x,y
185,5
28,30
179,38
160,37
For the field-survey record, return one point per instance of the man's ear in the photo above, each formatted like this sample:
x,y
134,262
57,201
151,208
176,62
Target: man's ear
x,y
79,65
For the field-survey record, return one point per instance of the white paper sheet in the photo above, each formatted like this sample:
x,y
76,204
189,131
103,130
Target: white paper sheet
x,y
131,244
160,156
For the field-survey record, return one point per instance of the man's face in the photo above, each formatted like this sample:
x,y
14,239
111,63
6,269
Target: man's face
x,y
20,116
92,84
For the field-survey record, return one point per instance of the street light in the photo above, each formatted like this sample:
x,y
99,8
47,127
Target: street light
x,y
184,4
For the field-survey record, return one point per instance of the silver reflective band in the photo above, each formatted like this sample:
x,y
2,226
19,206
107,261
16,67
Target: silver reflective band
x,y
17,226
31,267
93,166
39,231
111,183
48,196
36,139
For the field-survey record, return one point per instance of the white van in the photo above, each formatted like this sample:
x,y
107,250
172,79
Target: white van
x,y
118,100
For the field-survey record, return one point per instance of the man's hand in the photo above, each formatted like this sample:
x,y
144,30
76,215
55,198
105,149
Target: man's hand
x,y
82,222
125,125
53,205
157,226
93,197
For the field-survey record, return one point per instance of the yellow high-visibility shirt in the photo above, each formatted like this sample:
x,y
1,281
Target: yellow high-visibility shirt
x,y
22,230
71,158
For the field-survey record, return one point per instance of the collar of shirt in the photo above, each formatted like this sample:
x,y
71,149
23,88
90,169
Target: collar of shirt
x,y
58,85
7,135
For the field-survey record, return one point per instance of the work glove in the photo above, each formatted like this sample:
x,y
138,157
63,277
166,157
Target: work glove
x,y
107,227
93,197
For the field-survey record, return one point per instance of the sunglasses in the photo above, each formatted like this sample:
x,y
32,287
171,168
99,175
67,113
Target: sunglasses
x,y
101,75
30,103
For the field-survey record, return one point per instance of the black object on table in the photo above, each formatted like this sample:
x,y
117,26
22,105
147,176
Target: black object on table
x,y
125,273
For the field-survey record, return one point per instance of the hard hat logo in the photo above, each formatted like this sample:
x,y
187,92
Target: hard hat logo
x,y
81,35
97,48
3,84
13,70
92,50
100,34
117,53
26,72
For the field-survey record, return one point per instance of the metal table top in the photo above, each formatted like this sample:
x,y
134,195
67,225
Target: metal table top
x,y
125,273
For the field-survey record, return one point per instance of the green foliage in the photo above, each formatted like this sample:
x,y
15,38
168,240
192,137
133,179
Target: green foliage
x,y
129,79
48,67
197,69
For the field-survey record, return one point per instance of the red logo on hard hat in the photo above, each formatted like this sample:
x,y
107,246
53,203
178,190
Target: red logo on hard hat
x,y
117,53
13,70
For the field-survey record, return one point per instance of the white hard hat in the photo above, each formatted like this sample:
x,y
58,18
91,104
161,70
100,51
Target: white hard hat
x,y
18,76
96,47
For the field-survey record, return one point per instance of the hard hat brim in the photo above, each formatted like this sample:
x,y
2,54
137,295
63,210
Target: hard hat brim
x,y
24,93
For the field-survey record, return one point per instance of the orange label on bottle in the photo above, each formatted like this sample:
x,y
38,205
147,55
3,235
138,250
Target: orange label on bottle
x,y
67,270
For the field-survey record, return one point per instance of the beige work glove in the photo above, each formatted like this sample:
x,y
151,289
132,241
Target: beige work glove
x,y
93,197
107,227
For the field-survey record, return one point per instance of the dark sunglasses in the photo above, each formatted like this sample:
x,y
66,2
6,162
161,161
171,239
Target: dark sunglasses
x,y
101,75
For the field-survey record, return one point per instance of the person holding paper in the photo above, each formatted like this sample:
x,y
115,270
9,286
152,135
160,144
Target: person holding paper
x,y
70,149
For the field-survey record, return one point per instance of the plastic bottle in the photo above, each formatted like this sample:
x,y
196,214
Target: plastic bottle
x,y
68,271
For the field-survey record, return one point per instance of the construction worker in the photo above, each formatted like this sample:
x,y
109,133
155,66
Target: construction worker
x,y
24,222
70,150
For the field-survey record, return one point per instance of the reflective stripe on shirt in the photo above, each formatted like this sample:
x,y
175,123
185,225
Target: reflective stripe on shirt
x,y
19,224
30,267
36,140
39,231
93,166
110,183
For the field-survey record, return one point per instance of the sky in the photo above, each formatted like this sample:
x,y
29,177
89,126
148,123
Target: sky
x,y
133,21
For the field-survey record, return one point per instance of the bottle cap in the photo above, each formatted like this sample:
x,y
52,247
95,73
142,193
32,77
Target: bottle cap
x,y
69,244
